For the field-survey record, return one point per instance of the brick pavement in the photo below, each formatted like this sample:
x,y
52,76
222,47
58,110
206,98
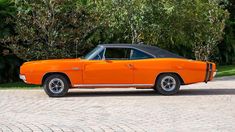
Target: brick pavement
x,y
198,107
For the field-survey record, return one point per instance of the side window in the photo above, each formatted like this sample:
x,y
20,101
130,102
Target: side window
x,y
99,56
136,54
117,53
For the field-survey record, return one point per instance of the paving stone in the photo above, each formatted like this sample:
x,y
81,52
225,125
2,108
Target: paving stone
x,y
197,107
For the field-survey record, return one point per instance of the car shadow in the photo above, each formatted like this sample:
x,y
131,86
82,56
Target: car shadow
x,y
183,92
194,92
226,78
112,93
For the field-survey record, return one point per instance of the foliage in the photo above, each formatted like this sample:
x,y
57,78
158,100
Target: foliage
x,y
226,49
194,24
18,85
228,70
43,29
7,11
67,28
52,28
123,20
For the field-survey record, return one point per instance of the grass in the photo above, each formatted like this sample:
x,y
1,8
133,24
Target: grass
x,y
228,70
18,85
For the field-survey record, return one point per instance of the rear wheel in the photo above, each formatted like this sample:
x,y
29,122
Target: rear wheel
x,y
167,84
56,85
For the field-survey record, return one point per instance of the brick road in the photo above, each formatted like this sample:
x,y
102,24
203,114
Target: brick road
x,y
199,107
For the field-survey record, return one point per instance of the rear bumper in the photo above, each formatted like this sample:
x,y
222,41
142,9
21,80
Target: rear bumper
x,y
214,74
210,72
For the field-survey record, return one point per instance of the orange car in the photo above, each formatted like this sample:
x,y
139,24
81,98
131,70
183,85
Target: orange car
x,y
118,65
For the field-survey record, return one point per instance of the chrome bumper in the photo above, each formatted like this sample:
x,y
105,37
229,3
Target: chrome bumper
x,y
209,72
214,74
22,77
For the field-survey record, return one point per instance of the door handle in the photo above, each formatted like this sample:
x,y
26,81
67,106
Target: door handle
x,y
130,66
76,68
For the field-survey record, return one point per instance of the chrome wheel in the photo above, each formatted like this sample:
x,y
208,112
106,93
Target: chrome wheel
x,y
56,85
168,83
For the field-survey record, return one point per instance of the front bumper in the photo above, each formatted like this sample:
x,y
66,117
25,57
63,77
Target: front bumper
x,y
23,77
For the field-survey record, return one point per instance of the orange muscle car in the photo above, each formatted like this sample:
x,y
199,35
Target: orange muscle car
x,y
118,65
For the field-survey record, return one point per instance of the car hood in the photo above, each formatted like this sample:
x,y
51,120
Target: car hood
x,y
49,65
52,61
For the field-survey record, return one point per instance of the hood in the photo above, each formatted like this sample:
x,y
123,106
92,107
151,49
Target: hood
x,y
52,61
49,65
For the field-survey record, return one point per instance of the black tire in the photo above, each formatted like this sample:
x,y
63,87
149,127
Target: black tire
x,y
53,90
169,87
155,89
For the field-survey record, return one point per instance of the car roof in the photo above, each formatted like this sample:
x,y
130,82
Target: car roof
x,y
153,50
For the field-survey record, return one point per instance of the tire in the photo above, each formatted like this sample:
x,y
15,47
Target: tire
x,y
167,84
56,85
155,89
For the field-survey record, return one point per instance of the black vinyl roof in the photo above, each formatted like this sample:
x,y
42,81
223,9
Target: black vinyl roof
x,y
152,50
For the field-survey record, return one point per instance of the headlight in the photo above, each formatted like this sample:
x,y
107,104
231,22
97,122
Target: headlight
x,y
22,77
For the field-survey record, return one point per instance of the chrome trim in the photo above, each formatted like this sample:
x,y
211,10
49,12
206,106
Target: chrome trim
x,y
130,47
168,83
214,74
103,57
75,68
22,77
56,85
209,68
104,48
96,53
111,85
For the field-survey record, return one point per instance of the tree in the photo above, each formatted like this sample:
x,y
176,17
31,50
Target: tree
x,y
52,28
226,49
7,12
195,24
122,19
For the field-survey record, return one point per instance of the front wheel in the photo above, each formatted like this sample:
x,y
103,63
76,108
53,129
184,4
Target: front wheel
x,y
56,85
167,84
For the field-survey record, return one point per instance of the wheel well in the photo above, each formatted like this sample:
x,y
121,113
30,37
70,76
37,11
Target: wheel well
x,y
181,80
58,73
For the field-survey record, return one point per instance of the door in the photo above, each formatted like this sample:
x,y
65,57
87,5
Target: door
x,y
115,68
144,68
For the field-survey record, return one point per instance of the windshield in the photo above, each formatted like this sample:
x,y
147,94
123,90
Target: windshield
x,y
92,53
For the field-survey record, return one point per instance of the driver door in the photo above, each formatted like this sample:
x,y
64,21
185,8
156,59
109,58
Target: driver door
x,y
113,70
